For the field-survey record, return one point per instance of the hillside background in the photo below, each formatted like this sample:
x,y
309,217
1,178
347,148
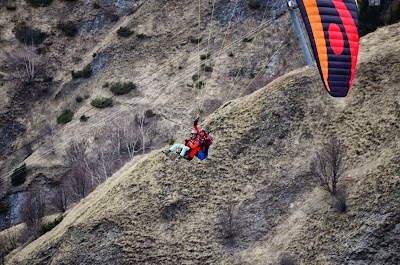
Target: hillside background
x,y
153,210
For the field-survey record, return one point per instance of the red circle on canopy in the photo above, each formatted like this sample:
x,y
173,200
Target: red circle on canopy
x,y
336,38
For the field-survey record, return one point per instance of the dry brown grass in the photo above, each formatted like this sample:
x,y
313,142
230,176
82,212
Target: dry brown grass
x,y
260,161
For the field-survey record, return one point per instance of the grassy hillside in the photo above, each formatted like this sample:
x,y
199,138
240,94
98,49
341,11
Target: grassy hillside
x,y
160,58
156,211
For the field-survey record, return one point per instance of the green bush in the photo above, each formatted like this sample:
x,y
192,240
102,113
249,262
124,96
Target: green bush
x,y
96,5
205,56
18,176
171,141
94,55
140,36
85,73
65,117
149,113
28,35
39,3
102,102
247,39
124,32
4,207
79,99
47,227
253,4
83,118
231,54
86,96
122,88
69,28
195,77
206,68
180,67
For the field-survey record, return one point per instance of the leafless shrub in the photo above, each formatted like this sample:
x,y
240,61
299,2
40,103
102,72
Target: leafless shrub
x,y
329,166
32,211
59,200
9,240
75,153
145,128
25,64
339,201
79,182
50,129
227,223
287,259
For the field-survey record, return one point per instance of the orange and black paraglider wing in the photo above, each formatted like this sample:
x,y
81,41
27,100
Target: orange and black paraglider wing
x,y
332,27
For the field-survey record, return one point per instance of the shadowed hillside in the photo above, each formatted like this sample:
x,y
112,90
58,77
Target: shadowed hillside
x,y
156,211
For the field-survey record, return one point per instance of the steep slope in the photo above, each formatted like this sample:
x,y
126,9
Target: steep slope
x,y
155,211
160,57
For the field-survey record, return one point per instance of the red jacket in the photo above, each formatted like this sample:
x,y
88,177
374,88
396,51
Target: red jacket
x,y
205,140
192,142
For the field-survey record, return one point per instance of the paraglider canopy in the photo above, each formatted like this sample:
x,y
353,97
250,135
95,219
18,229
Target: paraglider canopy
x,y
332,27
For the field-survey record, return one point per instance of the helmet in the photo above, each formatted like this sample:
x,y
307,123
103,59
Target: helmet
x,y
203,130
194,132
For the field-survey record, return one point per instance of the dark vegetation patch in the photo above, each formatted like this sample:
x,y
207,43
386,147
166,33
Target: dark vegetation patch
x,y
11,7
83,118
196,40
18,176
84,73
124,32
39,3
65,117
200,84
149,113
28,35
205,56
44,228
4,207
122,88
195,77
253,4
69,28
102,102
207,68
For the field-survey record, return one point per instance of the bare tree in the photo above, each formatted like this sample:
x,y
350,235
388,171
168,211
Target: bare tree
x,y
75,153
144,128
25,64
9,240
328,166
32,211
79,182
228,224
49,129
59,200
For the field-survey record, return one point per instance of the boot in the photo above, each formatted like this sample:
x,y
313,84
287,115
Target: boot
x,y
178,158
166,152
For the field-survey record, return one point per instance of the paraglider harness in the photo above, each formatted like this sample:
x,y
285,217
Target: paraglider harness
x,y
202,154
205,146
